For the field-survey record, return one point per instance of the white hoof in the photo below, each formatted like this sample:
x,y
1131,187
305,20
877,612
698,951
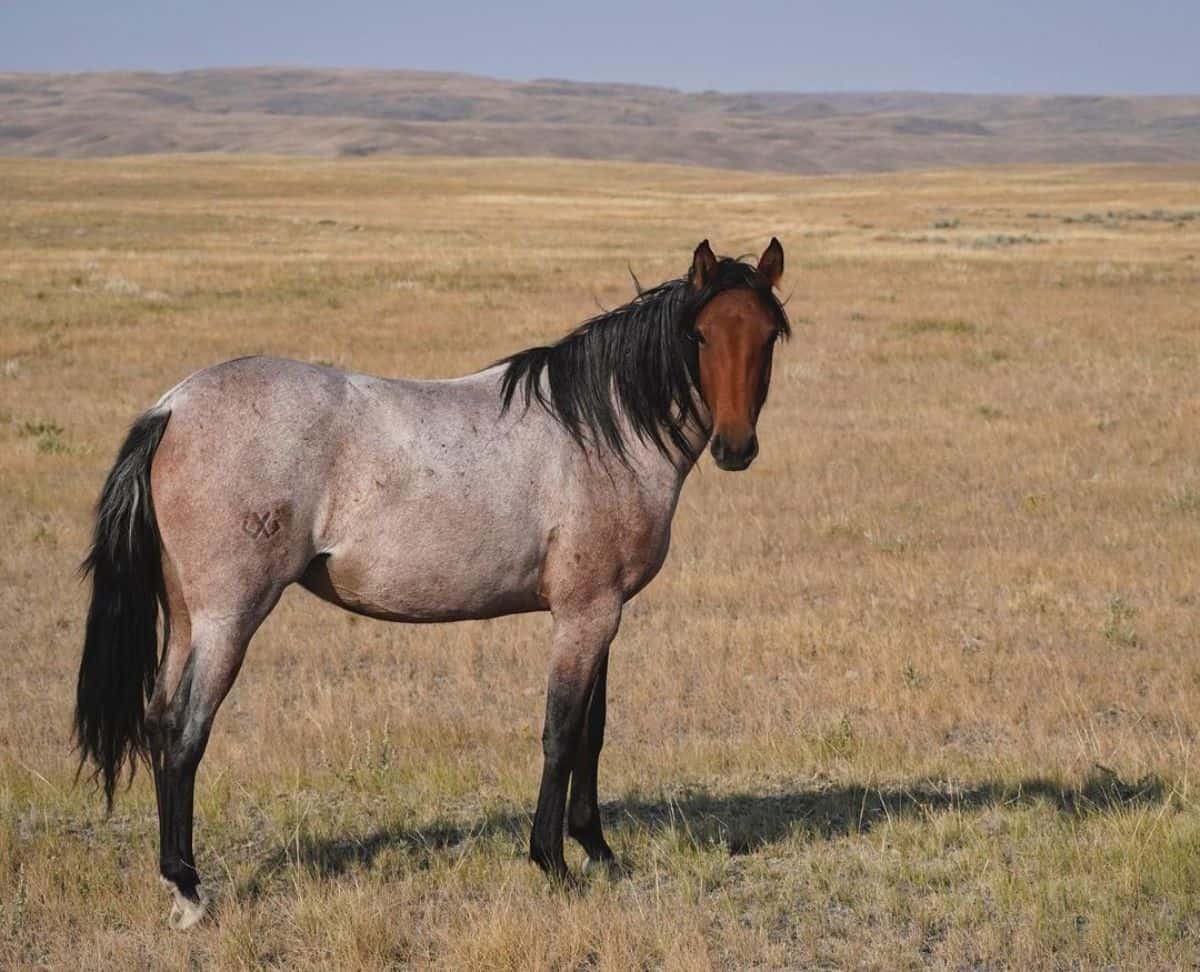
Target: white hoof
x,y
591,866
185,913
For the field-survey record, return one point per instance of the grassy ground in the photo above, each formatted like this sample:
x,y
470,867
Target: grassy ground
x,y
920,689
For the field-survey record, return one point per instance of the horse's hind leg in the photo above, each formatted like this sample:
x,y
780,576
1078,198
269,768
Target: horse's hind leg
x,y
176,656
179,735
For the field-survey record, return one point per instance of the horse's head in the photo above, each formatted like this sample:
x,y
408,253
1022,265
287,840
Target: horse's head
x,y
736,327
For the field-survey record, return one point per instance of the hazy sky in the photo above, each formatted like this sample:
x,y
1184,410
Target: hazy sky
x,y
1151,46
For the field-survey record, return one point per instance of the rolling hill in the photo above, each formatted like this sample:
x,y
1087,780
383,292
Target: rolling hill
x,y
361,113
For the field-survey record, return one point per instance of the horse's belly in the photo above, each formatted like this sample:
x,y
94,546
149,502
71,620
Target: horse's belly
x,y
414,584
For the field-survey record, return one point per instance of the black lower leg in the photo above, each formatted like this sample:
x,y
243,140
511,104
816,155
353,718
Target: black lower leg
x,y
582,635
559,741
180,744
156,746
177,861
583,812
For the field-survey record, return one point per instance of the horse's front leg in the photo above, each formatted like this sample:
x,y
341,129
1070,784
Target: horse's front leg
x,y
583,807
582,634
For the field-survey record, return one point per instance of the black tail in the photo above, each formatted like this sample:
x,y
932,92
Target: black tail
x,y
120,649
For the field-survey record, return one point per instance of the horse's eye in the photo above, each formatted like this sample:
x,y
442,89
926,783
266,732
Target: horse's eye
x,y
697,337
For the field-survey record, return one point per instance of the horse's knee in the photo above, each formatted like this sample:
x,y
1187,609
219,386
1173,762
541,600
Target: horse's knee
x,y
559,745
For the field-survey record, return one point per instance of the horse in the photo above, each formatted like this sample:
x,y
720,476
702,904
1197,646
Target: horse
x,y
546,482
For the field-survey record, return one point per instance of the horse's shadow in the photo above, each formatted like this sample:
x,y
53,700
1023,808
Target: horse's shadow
x,y
739,822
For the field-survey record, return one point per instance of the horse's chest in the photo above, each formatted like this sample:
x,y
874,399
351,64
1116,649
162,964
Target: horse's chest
x,y
623,546
645,551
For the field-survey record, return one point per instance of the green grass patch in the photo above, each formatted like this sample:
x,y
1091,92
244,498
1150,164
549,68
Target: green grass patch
x,y
48,436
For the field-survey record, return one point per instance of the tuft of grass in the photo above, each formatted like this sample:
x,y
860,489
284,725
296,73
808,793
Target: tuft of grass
x,y
994,240
1184,499
1118,627
888,544
1117,217
839,741
955,326
47,435
44,534
912,676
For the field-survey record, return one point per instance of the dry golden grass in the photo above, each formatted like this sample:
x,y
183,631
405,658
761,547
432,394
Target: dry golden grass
x,y
920,689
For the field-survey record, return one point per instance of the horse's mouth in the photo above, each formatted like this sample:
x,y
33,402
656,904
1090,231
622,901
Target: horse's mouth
x,y
730,465
733,461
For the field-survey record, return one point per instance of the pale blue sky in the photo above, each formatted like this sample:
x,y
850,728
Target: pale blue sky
x,y
1102,46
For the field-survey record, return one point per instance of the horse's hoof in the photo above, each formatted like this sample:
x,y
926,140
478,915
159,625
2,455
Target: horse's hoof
x,y
186,913
608,866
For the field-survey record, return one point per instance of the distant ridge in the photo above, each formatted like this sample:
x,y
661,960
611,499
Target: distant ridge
x,y
360,113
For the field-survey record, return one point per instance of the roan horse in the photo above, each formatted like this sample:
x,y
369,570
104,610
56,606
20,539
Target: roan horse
x,y
545,482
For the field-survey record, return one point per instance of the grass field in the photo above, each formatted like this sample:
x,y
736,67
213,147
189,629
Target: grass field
x,y
919,689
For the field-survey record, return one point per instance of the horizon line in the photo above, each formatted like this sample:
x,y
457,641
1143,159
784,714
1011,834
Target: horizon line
x,y
459,73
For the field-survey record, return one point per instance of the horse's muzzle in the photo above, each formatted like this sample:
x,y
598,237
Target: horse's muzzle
x,y
734,458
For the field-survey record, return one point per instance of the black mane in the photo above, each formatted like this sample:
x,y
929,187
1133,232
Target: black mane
x,y
638,361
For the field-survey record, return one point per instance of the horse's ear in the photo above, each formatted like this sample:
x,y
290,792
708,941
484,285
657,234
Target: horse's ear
x,y
704,266
770,264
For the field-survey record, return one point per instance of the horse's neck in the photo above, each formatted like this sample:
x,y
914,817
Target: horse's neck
x,y
669,470
648,469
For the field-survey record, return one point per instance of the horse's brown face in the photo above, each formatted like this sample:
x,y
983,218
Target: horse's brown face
x,y
736,333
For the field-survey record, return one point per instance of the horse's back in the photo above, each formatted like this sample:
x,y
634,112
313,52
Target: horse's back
x,y
403,499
